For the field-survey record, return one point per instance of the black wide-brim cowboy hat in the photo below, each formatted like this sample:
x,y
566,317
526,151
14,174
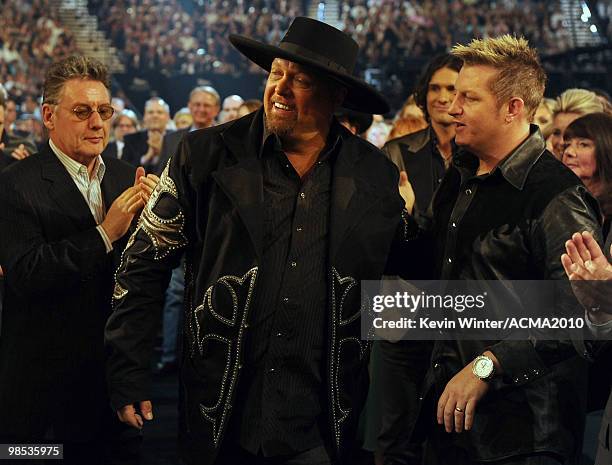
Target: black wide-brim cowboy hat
x,y
325,49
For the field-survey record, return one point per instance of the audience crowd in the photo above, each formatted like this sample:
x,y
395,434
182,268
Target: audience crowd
x,y
184,37
31,37
393,31
190,38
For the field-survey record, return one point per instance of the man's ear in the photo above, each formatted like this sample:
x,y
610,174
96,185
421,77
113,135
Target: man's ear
x,y
47,116
514,109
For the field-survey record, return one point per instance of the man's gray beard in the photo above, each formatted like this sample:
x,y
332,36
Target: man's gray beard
x,y
281,130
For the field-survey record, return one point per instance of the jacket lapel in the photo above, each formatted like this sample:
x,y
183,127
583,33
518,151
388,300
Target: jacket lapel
x,y
242,181
64,192
111,189
419,170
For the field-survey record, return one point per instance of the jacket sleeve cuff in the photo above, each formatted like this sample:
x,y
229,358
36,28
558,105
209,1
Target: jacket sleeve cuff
x,y
107,242
599,330
519,361
127,394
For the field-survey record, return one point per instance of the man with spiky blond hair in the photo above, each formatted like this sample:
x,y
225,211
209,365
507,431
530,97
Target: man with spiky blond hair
x,y
505,401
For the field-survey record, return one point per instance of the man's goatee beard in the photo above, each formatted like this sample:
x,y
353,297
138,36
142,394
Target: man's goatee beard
x,y
281,130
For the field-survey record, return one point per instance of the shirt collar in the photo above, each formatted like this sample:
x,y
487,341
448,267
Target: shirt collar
x,y
334,138
515,167
75,168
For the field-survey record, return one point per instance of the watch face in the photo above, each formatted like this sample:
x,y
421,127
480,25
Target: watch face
x,y
483,367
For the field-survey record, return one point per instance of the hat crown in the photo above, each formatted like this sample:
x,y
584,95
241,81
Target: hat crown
x,y
321,42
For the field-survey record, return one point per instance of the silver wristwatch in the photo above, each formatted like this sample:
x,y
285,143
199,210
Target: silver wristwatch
x,y
483,367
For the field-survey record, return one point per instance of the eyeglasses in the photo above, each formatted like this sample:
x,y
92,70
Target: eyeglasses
x,y
83,112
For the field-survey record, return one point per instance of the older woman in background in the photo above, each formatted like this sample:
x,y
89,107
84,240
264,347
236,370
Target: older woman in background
x,y
588,153
571,104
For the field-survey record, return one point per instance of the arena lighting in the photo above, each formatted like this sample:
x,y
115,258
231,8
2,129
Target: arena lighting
x,y
321,11
586,13
593,28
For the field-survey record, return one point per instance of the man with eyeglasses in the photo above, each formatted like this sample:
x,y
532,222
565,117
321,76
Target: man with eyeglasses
x,y
63,223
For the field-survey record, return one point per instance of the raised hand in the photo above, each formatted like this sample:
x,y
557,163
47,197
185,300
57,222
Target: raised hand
x,y
20,152
405,189
122,211
147,185
155,141
591,275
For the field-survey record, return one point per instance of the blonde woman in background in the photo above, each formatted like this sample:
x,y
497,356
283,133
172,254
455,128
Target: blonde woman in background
x,y
569,106
544,116
183,119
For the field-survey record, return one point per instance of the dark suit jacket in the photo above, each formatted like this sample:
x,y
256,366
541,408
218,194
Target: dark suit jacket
x,y
111,150
59,282
171,143
5,160
604,453
11,142
136,146
414,154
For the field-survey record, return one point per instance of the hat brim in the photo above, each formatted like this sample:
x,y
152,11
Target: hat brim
x,y
360,95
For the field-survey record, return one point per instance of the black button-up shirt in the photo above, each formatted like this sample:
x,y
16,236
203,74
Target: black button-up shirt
x,y
439,164
282,392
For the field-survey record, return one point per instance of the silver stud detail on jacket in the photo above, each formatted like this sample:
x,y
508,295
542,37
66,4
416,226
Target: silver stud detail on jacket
x,y
217,415
207,303
166,234
119,292
340,414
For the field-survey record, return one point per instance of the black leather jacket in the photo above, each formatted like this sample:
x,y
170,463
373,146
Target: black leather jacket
x,y
512,224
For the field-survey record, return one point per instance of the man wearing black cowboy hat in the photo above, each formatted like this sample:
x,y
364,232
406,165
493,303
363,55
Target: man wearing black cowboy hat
x,y
281,214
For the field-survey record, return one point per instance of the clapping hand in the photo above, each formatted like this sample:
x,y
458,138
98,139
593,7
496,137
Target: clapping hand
x,y
591,275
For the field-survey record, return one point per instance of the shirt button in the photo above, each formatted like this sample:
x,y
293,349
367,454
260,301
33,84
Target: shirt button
x,y
298,229
449,260
439,180
293,264
453,224
468,191
436,365
286,300
279,334
272,370
302,195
